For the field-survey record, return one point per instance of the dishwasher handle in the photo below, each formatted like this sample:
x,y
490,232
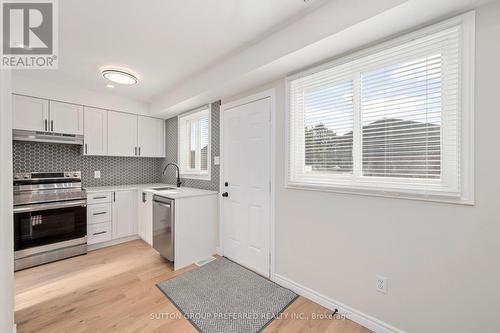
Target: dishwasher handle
x,y
162,204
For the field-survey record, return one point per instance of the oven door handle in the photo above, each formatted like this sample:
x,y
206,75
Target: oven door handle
x,y
52,205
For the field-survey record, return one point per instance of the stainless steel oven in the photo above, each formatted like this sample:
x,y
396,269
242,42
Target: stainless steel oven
x,y
50,218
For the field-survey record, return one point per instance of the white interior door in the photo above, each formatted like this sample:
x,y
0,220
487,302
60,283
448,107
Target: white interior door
x,y
247,171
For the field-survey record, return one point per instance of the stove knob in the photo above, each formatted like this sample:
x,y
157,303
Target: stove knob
x,y
75,175
16,177
26,177
66,175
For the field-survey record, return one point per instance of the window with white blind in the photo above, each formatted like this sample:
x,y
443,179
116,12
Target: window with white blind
x,y
194,144
395,119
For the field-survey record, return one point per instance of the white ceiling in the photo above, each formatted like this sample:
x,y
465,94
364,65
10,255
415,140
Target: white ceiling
x,y
191,52
165,42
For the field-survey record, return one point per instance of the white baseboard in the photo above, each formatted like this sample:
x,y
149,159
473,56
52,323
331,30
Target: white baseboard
x,y
112,242
14,329
359,317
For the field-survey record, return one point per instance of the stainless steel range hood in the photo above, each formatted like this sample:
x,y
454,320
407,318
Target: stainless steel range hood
x,y
35,136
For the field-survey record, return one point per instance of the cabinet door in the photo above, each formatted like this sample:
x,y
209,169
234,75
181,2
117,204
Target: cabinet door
x,y
151,137
124,214
140,214
95,131
146,217
30,113
66,118
122,134
148,225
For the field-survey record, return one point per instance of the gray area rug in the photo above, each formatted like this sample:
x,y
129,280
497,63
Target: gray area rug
x,y
223,296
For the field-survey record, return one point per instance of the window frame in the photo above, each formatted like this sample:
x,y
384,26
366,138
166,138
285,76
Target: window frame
x,y
466,22
183,144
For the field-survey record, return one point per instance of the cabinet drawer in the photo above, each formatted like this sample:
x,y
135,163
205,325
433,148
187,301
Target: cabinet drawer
x,y
98,233
97,198
98,213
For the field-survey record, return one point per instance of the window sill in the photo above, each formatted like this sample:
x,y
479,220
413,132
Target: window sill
x,y
384,194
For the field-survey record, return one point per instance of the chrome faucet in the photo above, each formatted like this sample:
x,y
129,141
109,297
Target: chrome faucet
x,y
178,173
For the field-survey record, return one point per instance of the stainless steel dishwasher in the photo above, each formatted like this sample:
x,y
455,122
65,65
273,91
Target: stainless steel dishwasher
x,y
163,226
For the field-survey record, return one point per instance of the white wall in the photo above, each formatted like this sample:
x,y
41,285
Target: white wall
x,y
49,90
6,227
441,259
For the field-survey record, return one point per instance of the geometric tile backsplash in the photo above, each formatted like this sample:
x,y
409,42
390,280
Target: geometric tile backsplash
x,y
39,157
36,157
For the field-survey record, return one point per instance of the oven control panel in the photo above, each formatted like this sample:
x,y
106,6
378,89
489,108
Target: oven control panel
x,y
47,175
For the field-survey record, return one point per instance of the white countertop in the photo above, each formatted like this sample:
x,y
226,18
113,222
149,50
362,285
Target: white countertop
x,y
182,192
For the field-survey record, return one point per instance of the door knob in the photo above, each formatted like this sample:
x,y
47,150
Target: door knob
x,y
225,194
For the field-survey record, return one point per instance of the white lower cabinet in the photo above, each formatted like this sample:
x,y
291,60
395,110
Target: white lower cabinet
x,y
118,216
98,233
111,215
145,218
99,216
99,213
124,214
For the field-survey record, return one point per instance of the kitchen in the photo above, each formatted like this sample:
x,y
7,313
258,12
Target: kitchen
x,y
104,215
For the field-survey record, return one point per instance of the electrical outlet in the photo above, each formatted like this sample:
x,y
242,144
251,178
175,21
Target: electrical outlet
x,y
381,284
97,174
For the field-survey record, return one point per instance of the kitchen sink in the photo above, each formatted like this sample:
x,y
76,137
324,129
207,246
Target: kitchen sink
x,y
165,188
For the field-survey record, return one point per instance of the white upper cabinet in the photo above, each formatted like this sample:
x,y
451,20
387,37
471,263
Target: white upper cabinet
x,y
66,118
122,134
95,131
106,133
151,137
36,114
30,113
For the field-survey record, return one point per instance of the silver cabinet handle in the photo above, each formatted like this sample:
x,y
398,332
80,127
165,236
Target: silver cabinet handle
x,y
46,125
103,197
85,148
135,151
98,233
100,213
139,151
52,126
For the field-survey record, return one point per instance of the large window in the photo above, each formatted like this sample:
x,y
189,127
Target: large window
x,y
393,120
194,144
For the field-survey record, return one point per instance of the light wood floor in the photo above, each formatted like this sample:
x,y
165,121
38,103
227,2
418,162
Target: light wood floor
x,y
113,290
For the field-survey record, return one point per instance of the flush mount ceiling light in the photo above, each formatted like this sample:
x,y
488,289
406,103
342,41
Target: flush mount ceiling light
x,y
119,76
110,85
